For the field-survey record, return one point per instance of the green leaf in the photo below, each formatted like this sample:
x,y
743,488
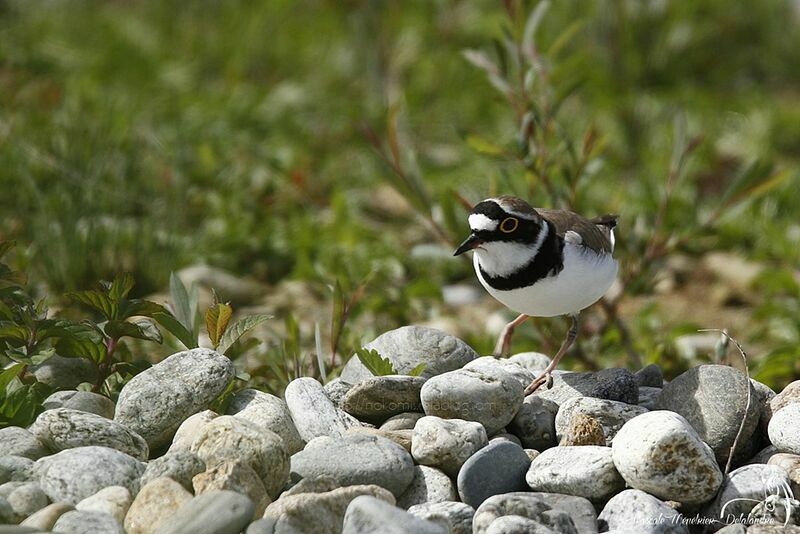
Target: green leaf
x,y
5,246
217,318
142,307
96,300
83,341
174,327
8,374
181,303
532,24
14,332
139,329
375,363
13,279
37,358
484,146
240,328
120,287
418,370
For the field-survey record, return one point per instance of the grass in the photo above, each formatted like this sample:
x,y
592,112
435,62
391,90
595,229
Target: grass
x,y
146,136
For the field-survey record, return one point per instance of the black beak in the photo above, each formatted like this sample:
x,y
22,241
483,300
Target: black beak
x,y
469,243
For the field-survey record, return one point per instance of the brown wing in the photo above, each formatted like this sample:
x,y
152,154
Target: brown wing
x,y
517,205
595,233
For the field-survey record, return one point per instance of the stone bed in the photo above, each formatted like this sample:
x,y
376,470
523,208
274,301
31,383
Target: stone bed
x,y
457,449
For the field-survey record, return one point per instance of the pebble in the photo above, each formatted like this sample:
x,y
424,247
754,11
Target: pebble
x,y
446,443
764,395
113,500
789,394
659,452
409,346
16,469
64,428
356,459
261,526
515,524
712,398
24,498
46,518
229,438
215,512
77,522
610,414
454,516
7,515
403,421
745,487
313,413
336,389
156,401
180,466
583,430
648,514
401,437
534,423
580,510
376,399
648,397
429,485
535,362
491,398
267,411
189,430
505,436
85,401
521,504
784,429
16,441
319,512
612,384
791,464
499,467
60,373
234,475
367,515
583,471
490,363
157,501
74,474
649,376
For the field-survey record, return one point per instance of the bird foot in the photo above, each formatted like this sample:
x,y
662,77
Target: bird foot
x,y
544,378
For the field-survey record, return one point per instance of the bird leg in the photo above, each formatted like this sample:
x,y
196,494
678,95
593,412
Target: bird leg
x,y
504,341
546,374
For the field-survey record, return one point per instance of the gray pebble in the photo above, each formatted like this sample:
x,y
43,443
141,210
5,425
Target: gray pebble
x,y
16,441
429,485
583,471
85,401
648,397
490,363
403,421
579,509
60,373
215,512
261,526
16,469
745,487
610,414
25,498
500,467
44,519
649,376
77,522
380,397
535,362
367,515
446,443
635,509
313,413
156,401
784,429
534,423
410,346
336,389
180,466
612,384
113,500
267,411
454,516
356,459
518,503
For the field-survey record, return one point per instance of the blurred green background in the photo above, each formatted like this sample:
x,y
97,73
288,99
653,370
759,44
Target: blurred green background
x,y
303,144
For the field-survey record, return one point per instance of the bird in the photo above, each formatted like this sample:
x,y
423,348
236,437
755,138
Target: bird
x,y
540,263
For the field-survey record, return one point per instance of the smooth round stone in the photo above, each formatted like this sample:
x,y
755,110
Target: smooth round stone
x,y
85,401
401,437
612,384
500,467
156,401
650,376
428,486
580,510
514,524
367,515
791,464
267,411
764,395
63,428
180,466
313,413
189,430
77,522
215,512
446,443
660,453
234,475
24,498
610,414
491,398
712,398
403,421
46,518
490,363
16,469
380,397
409,346
336,389
60,373
534,423
790,394
113,500
636,509
745,487
648,397
74,474
583,471
356,459
535,362
784,429
261,526
16,441
308,512
455,517
7,515
518,504
157,501
229,438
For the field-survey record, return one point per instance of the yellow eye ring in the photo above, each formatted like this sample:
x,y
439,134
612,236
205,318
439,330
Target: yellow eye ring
x,y
508,225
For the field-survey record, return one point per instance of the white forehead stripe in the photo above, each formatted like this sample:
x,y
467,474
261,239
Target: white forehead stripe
x,y
511,211
479,221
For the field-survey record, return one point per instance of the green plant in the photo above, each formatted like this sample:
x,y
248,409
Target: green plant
x,y
380,366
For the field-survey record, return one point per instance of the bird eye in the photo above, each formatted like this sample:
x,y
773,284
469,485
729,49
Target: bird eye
x,y
508,225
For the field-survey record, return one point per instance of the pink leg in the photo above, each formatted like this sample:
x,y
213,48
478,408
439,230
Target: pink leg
x,y
546,376
504,341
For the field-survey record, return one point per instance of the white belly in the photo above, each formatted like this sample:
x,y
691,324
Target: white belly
x,y
585,278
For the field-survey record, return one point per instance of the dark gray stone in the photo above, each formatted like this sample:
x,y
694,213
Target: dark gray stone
x,y
500,467
214,512
410,346
648,397
65,373
649,376
713,399
534,423
85,401
612,384
376,399
367,515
